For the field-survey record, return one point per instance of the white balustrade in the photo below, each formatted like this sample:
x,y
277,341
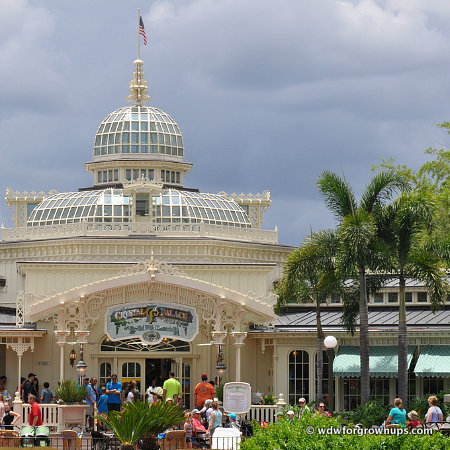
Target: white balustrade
x,y
262,413
143,229
49,413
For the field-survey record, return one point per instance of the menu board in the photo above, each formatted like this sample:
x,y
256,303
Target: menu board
x,y
237,397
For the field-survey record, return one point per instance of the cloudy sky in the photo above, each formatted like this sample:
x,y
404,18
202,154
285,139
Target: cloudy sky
x,y
267,94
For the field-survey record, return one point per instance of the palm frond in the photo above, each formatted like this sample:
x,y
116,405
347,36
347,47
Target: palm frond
x,y
427,267
381,188
337,194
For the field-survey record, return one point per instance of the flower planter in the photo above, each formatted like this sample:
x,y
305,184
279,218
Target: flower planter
x,y
71,415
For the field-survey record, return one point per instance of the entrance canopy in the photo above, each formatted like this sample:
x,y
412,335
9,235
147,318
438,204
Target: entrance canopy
x,y
151,281
383,361
433,361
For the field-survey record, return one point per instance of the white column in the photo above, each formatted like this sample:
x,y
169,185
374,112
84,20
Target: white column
x,y
20,347
238,343
61,340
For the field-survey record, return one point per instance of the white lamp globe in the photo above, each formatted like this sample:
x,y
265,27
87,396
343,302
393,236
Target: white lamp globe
x,y
330,342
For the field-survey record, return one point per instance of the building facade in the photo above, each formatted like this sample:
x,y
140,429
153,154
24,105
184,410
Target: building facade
x,y
147,276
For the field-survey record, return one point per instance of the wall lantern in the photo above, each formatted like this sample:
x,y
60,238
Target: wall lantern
x,y
221,367
72,357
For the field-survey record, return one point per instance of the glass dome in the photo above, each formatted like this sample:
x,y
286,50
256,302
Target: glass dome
x,y
109,205
138,130
113,205
174,206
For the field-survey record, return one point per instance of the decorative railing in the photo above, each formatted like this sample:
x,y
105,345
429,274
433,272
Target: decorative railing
x,y
262,413
139,229
49,413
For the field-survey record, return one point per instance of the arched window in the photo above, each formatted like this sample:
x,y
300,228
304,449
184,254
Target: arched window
x,y
298,376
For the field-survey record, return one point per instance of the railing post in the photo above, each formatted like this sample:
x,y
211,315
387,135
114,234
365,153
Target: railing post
x,y
17,408
280,405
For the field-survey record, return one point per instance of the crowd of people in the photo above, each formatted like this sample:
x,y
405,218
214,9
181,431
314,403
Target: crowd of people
x,y
397,415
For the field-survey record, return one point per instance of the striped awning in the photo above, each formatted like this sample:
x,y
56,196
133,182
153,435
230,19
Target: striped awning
x,y
383,361
433,361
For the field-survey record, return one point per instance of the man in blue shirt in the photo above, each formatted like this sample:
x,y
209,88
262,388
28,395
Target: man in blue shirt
x,y
113,390
90,399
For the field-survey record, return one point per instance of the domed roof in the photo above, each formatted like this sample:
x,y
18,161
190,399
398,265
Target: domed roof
x,y
113,205
138,132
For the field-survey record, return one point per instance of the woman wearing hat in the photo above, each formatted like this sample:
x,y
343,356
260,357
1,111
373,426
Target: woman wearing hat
x,y
414,421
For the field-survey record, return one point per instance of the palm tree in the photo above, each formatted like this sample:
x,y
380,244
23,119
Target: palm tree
x,y
309,277
360,246
138,419
404,221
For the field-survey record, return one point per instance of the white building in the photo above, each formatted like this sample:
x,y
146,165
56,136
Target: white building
x,y
140,270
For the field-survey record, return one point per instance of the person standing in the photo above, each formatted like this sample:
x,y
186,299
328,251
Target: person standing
x,y
9,418
35,417
171,388
29,388
113,390
303,407
203,391
216,419
47,395
3,390
90,399
151,392
94,386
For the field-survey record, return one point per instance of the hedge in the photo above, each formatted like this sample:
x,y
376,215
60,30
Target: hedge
x,y
285,435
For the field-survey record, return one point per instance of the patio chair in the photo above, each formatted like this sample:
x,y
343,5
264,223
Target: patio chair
x,y
9,438
71,440
173,440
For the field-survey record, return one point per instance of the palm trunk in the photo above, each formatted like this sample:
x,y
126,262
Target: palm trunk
x,y
364,337
402,344
319,367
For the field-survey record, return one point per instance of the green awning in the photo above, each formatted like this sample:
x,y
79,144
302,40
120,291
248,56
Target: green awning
x,y
383,361
433,361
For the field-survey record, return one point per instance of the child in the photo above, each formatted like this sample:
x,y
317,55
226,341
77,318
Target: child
x,y
102,404
413,420
47,395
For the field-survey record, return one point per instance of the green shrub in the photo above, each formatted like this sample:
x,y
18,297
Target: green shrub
x,y
420,405
370,413
269,400
297,435
219,391
70,392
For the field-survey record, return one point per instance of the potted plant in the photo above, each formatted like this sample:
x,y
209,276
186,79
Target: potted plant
x,y
71,405
138,420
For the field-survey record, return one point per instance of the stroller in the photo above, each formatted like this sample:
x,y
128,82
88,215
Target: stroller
x,y
42,436
34,436
27,434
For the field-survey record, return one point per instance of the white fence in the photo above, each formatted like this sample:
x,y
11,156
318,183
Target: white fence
x,y
139,229
49,413
262,413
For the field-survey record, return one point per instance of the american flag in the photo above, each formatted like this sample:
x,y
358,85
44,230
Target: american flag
x,y
142,30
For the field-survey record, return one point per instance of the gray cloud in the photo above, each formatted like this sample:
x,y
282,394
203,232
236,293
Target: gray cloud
x,y
267,94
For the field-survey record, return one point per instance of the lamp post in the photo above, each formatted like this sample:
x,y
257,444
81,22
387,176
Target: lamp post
x,y
81,366
330,343
221,367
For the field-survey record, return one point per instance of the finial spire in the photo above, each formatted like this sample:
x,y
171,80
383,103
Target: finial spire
x,y
138,86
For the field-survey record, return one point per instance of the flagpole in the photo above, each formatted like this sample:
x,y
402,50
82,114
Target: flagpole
x,y
139,38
